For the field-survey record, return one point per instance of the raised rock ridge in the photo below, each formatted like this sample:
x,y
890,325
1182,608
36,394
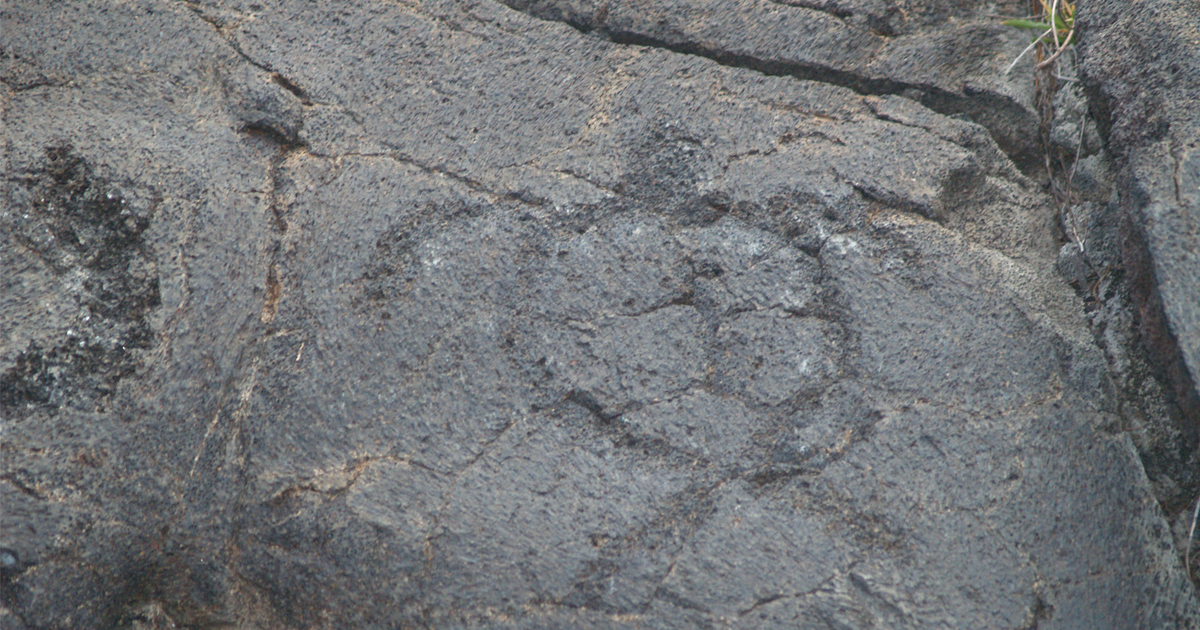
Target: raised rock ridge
x,y
1142,71
448,315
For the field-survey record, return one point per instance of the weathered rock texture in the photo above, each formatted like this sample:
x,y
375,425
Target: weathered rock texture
x,y
1142,69
948,56
376,315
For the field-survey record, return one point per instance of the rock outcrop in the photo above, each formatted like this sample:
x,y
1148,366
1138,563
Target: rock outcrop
x,y
1142,71
462,315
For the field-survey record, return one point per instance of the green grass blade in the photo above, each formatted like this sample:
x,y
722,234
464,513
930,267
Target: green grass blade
x,y
1028,25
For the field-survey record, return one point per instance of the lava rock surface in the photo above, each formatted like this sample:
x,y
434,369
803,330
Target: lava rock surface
x,y
466,315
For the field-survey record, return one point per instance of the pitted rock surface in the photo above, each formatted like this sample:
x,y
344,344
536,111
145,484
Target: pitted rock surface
x,y
447,315
1141,83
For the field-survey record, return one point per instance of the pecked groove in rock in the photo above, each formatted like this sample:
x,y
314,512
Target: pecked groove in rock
x,y
486,323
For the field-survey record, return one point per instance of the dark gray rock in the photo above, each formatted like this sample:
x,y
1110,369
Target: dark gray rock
x,y
446,316
949,57
1142,71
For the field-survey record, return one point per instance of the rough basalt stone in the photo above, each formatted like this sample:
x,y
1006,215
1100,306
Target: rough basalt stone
x,y
462,318
1142,71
